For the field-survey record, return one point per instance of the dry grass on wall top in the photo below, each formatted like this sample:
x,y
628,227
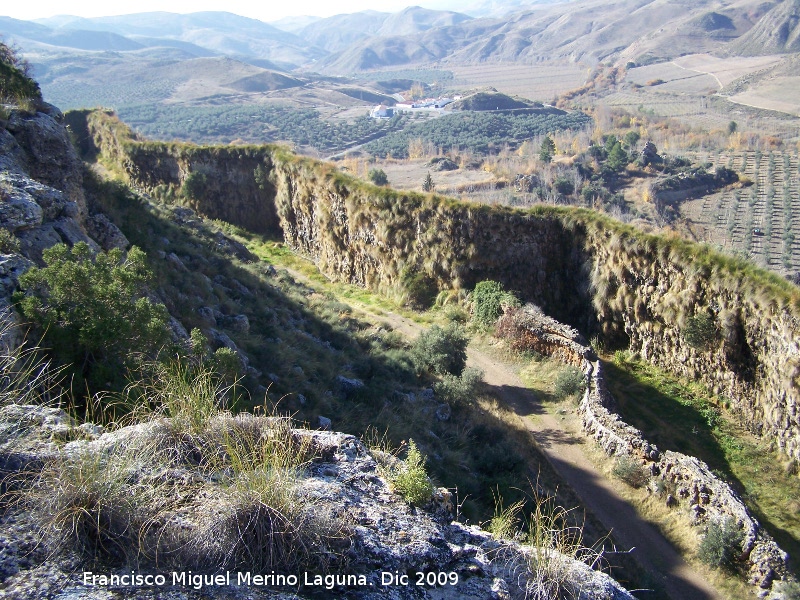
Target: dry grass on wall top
x,y
641,287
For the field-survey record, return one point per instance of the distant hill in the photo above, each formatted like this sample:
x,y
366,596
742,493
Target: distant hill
x,y
266,81
588,31
489,100
80,39
778,32
150,76
294,24
415,19
341,31
216,32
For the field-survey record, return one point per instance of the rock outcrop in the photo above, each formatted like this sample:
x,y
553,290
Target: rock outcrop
x,y
385,547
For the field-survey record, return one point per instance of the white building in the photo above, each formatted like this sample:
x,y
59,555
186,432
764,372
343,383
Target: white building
x,y
382,112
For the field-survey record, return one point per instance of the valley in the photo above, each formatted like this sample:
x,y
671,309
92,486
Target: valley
x,y
566,294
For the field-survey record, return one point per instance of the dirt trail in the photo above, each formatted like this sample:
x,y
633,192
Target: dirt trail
x,y
564,450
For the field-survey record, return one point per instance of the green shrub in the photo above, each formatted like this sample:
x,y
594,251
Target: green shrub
x,y
630,471
411,480
700,331
378,177
419,288
488,300
15,84
92,309
440,351
721,544
9,243
458,389
569,381
195,185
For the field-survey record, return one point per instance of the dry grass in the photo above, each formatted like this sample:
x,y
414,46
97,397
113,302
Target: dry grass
x,y
237,480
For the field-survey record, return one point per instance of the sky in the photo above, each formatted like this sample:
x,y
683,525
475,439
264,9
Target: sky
x,y
263,10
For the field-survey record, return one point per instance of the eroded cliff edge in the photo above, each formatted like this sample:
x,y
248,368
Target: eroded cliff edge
x,y
598,275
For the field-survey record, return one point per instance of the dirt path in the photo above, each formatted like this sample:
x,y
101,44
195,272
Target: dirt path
x,y
719,83
564,450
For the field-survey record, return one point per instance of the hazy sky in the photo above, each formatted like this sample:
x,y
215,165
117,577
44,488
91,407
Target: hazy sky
x,y
268,10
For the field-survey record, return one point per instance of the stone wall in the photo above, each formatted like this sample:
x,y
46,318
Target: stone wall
x,y
634,290
699,494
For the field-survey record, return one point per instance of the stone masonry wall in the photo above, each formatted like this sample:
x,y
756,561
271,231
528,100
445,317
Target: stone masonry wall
x,y
603,277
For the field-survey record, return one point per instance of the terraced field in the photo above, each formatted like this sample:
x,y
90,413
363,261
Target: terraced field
x,y
760,221
535,82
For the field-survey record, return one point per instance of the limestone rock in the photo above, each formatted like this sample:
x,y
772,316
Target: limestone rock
x,y
18,210
346,386
106,233
384,535
11,267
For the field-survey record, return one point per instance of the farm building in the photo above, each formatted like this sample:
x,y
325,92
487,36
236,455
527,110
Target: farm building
x,y
382,112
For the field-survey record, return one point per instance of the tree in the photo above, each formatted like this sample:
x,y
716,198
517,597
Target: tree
x,y
378,177
547,150
428,185
732,127
617,157
194,186
631,139
564,186
93,310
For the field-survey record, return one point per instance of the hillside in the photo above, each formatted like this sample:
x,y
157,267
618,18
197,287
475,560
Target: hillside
x,y
414,20
547,264
180,474
777,32
586,31
341,31
216,32
489,100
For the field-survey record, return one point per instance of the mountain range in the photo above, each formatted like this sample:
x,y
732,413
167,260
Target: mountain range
x,y
69,51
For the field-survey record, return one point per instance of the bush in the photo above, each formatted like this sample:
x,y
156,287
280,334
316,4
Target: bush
x,y
9,243
488,300
411,480
420,289
194,186
630,471
700,331
440,351
721,544
378,177
569,381
458,389
93,310
15,84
